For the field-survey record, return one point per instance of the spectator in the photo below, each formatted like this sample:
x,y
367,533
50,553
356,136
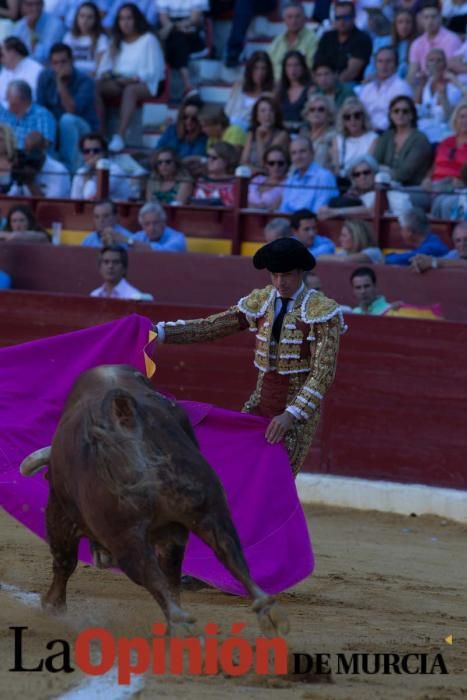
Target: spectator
x,y
185,136
169,181
16,65
182,30
277,228
347,47
319,116
453,206
130,70
326,83
147,8
359,198
403,32
5,279
454,258
218,188
243,13
434,36
23,115
308,186
216,126
312,281
357,243
257,79
107,231
87,39
40,175
354,135
22,227
293,89
38,30
458,62
155,234
455,15
416,235
403,150
451,154
304,226
9,13
7,157
377,94
436,94
363,281
69,95
265,191
296,37
266,130
93,148
113,268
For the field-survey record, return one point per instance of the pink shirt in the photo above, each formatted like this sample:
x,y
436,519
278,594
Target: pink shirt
x,y
444,39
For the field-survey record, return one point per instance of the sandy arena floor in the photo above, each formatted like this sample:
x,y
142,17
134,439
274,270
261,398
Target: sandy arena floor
x,y
382,583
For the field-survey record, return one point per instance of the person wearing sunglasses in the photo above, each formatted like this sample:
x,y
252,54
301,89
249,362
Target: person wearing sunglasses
x,y
319,116
377,94
93,148
354,137
265,191
345,46
169,181
359,199
403,150
186,135
218,187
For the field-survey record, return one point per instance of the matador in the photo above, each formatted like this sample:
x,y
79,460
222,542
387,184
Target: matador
x,y
297,340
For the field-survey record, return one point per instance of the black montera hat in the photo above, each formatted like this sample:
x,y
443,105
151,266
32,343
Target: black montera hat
x,y
283,255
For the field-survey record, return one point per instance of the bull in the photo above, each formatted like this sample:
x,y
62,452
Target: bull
x,y
125,471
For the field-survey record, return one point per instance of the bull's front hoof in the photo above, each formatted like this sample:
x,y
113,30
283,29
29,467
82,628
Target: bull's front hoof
x,y
273,620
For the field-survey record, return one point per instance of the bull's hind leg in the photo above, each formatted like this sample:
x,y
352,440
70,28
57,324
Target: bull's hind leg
x,y
171,543
137,559
63,539
218,532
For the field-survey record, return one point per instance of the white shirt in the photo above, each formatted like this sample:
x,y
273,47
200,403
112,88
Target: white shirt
x,y
349,147
181,8
53,180
84,58
142,58
377,95
27,70
119,184
123,290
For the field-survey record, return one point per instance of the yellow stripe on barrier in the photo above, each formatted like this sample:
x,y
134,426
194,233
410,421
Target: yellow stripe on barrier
x,y
219,246
249,248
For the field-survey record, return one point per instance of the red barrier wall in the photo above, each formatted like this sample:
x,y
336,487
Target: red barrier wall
x,y
397,410
214,280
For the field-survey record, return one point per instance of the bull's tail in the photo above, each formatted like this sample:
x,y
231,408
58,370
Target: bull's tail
x,y
35,461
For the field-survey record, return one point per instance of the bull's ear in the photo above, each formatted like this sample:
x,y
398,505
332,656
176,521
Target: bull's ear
x,y
124,413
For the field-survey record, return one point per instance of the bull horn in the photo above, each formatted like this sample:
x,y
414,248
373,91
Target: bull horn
x,y
35,461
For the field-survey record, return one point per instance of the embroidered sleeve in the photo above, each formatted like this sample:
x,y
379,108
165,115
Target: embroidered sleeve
x,y
203,330
322,369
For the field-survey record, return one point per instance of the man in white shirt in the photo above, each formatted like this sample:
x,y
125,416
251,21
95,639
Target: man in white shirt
x,y
377,95
40,175
16,65
113,267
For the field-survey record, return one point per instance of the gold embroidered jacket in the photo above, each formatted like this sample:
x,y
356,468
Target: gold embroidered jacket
x,y
308,343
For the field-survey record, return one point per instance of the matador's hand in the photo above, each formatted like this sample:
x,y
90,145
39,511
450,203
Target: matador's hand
x,y
278,427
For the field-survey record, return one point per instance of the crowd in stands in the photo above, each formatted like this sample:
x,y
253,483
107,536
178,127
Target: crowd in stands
x,y
334,109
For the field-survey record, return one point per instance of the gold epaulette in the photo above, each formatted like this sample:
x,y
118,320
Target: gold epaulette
x,y
317,308
256,303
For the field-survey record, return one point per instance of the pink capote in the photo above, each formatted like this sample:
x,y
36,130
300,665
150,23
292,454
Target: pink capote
x,y
35,379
